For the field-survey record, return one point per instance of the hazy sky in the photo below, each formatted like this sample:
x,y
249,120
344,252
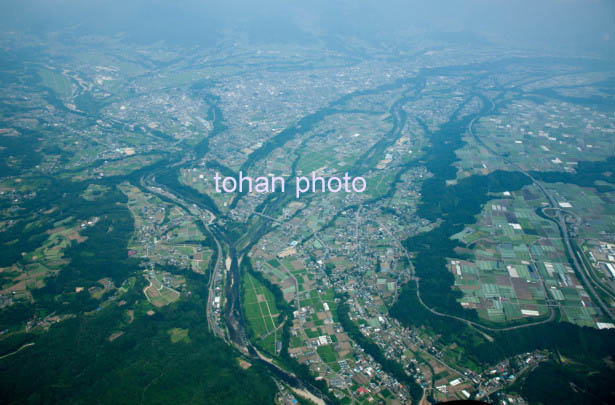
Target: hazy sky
x,y
555,24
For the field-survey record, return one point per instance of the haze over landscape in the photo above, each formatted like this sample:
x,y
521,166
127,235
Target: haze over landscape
x,y
468,252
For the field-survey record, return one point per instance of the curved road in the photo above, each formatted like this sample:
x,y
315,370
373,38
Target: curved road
x,y
581,270
467,321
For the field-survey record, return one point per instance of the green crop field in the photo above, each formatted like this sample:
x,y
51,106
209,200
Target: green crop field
x,y
259,303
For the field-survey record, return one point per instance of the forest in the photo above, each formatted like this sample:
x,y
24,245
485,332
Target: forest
x,y
456,206
76,362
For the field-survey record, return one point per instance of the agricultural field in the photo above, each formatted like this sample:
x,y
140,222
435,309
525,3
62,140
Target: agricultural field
x,y
94,191
262,314
597,209
163,287
488,168
289,278
315,335
519,267
179,335
43,262
166,234
117,167
59,83
536,137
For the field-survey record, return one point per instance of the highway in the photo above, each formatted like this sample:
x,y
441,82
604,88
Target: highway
x,y
559,220
458,318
